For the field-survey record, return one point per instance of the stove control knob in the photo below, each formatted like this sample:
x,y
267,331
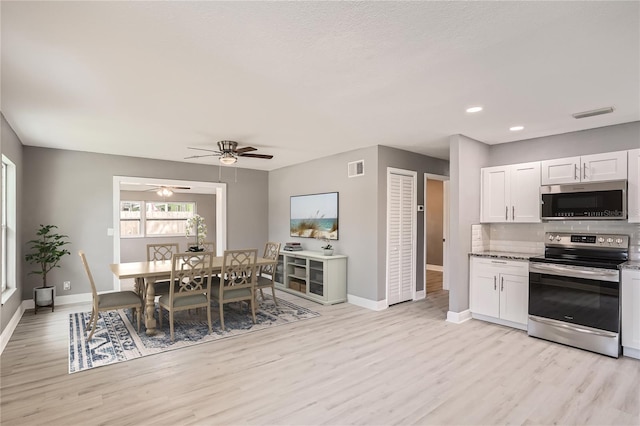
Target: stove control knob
x,y
609,240
619,241
558,238
550,237
601,240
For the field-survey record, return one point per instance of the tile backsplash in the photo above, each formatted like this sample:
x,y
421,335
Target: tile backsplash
x,y
529,237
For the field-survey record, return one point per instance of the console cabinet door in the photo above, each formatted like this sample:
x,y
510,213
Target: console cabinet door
x,y
634,186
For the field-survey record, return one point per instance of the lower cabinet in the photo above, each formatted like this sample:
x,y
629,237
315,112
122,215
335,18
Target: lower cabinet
x,y
630,301
312,275
499,291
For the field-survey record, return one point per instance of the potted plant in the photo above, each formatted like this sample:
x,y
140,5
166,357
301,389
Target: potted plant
x,y
46,252
327,249
197,227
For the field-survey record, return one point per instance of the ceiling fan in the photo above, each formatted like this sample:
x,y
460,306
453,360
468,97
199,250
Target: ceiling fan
x,y
229,152
166,190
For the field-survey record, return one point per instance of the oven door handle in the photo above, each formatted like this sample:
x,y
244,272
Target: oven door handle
x,y
610,275
572,327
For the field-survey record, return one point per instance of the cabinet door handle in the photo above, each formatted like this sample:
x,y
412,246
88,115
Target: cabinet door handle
x,y
584,170
494,283
513,212
575,173
501,283
506,212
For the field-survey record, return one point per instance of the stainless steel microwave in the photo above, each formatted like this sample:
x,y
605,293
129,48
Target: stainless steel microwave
x,y
580,201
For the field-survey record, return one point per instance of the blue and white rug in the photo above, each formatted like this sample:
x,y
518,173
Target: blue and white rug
x,y
117,340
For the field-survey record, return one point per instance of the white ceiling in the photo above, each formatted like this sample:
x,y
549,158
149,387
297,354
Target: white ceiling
x,y
302,80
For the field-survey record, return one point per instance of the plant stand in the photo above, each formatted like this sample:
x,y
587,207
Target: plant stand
x,y
42,291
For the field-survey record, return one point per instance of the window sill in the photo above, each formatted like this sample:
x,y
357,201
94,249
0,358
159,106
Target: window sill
x,y
6,295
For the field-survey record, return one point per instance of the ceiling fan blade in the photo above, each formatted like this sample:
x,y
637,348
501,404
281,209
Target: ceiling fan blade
x,y
245,149
264,156
204,149
200,156
179,187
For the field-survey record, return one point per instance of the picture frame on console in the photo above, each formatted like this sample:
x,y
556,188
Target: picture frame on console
x,y
314,216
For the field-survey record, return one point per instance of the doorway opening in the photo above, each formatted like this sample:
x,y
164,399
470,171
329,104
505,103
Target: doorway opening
x,y
436,232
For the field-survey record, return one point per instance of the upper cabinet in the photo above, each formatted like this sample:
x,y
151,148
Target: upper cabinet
x,y
633,206
587,168
511,193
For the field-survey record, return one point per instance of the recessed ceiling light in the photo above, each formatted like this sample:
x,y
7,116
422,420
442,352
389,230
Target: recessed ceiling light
x,y
474,109
516,128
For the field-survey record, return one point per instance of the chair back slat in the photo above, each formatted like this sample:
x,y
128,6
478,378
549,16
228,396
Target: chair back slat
x,y
190,273
161,251
83,257
209,246
239,268
271,251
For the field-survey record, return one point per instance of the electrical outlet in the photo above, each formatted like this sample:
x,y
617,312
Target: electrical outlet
x,y
67,285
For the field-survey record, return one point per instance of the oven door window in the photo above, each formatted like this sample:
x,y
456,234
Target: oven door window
x,y
591,303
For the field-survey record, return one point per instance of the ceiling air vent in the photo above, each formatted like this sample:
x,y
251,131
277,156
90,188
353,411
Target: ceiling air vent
x,y
356,168
607,110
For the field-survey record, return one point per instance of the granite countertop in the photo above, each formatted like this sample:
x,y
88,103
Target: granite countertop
x,y
631,264
505,255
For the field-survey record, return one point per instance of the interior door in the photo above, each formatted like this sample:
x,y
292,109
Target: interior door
x,y
401,231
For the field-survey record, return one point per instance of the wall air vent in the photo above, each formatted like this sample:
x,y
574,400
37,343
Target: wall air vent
x,y
607,110
355,168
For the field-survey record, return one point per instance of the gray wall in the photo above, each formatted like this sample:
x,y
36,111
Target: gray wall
x,y
362,209
434,211
604,139
134,249
467,157
74,190
400,159
11,147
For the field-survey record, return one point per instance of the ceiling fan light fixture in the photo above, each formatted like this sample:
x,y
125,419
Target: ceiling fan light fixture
x,y
228,158
165,192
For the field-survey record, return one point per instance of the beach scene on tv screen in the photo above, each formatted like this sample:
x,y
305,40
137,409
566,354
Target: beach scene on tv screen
x,y
315,216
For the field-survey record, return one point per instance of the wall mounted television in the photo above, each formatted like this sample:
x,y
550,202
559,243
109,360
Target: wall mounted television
x,y
314,216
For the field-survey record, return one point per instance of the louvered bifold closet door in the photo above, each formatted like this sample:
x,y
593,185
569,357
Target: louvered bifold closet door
x,y
400,265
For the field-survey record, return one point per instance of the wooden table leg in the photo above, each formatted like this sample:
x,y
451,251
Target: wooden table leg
x,y
150,307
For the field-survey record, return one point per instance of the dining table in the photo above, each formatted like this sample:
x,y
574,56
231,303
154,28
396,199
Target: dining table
x,y
147,273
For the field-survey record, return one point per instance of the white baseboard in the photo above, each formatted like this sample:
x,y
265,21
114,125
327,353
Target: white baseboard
x,y
631,352
62,300
458,317
420,295
366,303
10,328
435,267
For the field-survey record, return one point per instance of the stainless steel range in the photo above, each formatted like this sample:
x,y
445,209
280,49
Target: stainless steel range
x,y
574,291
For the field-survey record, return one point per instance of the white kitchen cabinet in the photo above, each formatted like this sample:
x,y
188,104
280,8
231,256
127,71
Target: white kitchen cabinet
x,y
511,193
630,302
313,276
499,291
587,168
633,205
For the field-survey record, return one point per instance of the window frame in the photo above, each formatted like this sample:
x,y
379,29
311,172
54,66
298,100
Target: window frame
x,y
144,219
9,227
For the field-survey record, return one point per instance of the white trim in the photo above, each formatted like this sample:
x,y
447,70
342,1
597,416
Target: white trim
x,y
379,305
63,300
10,328
6,295
435,268
445,229
414,228
458,317
217,188
421,294
631,352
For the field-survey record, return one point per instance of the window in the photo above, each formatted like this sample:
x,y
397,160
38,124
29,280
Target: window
x,y
160,218
9,247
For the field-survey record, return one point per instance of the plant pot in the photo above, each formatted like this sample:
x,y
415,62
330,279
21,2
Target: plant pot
x,y
44,297
327,252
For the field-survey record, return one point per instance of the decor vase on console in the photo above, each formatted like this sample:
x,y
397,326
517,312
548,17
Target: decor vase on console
x,y
197,227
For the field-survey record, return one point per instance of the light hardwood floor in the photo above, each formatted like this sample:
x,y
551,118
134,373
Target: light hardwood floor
x,y
403,365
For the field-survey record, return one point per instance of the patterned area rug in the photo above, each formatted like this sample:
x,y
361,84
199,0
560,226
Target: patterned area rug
x,y
117,340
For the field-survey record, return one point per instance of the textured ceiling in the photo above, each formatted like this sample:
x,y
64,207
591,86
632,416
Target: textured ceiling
x,y
302,80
